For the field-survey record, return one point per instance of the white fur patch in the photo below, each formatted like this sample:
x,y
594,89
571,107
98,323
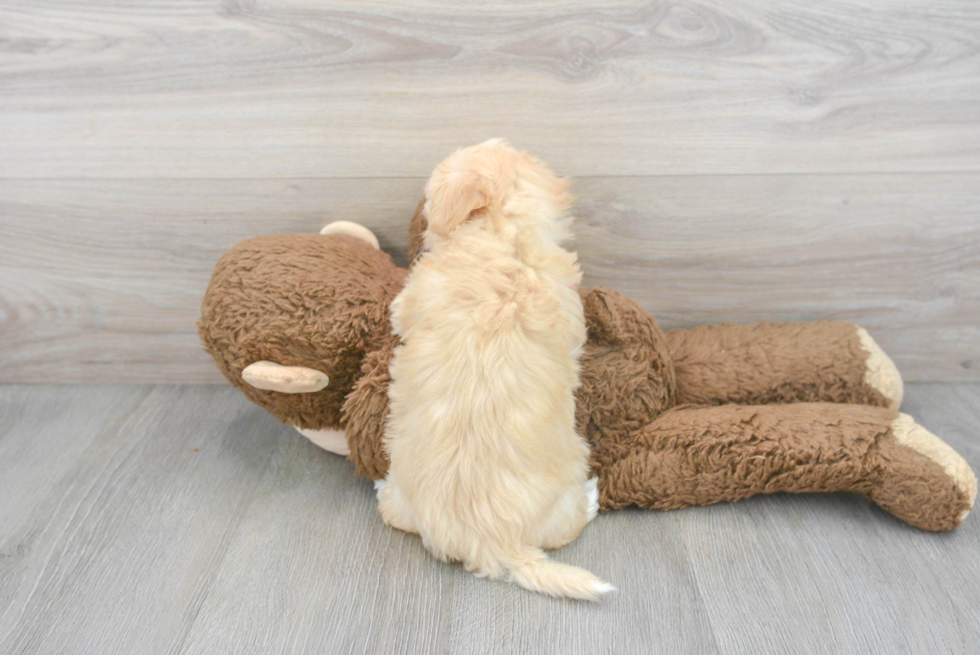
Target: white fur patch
x,y
333,440
602,588
592,493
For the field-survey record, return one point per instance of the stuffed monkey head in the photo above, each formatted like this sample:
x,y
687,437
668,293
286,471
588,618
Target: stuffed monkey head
x,y
290,319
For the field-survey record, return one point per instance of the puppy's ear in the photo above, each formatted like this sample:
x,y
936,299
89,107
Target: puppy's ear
x,y
454,199
541,176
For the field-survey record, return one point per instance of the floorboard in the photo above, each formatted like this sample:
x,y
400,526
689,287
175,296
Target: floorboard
x,y
185,520
346,583
119,553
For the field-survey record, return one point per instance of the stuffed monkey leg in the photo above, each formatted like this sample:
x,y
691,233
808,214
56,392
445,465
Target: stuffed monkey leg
x,y
705,455
760,363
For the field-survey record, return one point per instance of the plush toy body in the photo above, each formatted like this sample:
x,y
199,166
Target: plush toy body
x,y
716,413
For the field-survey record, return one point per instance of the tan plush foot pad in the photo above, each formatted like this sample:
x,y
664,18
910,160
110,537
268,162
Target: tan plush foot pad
x,y
881,374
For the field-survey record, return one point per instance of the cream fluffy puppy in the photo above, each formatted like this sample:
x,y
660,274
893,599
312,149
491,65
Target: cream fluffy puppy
x,y
485,462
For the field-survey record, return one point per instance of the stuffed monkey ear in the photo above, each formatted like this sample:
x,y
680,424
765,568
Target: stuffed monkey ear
x,y
453,199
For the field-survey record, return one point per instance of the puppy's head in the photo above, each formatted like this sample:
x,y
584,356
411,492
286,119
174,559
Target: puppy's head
x,y
494,182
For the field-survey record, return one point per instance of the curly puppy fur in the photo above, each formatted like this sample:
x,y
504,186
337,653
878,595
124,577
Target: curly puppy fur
x,y
485,462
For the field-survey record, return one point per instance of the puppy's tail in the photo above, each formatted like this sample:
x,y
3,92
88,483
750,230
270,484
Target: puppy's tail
x,y
533,570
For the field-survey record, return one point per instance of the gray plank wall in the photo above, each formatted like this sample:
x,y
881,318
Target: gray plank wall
x,y
733,160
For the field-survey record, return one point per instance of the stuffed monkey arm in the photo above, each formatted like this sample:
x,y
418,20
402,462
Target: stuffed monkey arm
x,y
705,455
759,363
365,412
626,374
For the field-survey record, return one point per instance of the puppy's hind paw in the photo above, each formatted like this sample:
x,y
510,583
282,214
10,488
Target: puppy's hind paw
x,y
592,495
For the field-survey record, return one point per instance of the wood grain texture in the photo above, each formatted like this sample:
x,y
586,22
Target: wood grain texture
x,y
117,554
43,433
840,575
260,542
347,583
738,160
293,88
897,254
102,280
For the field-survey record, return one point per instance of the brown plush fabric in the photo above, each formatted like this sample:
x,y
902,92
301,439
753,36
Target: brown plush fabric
x,y
366,410
913,487
415,231
704,455
322,302
626,373
299,300
759,363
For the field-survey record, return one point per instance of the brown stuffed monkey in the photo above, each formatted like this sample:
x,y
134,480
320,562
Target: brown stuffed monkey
x,y
300,324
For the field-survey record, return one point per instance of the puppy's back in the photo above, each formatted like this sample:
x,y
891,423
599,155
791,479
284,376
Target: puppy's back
x,y
481,431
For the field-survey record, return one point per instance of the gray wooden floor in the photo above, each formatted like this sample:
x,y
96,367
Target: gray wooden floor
x,y
182,519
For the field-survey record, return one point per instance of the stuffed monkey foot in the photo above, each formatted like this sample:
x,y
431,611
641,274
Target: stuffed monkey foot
x,y
913,478
704,455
